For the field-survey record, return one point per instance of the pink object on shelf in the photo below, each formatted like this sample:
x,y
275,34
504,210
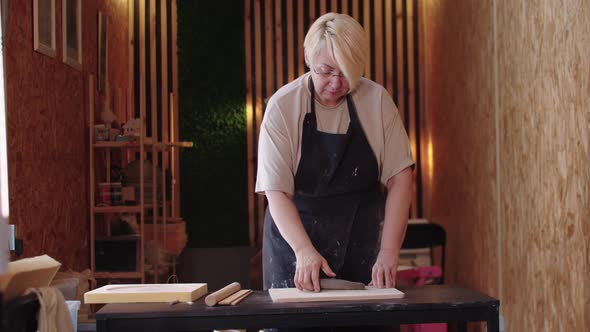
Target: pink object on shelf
x,y
419,275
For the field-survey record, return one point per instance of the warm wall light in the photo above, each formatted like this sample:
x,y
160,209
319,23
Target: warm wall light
x,y
249,115
430,160
413,148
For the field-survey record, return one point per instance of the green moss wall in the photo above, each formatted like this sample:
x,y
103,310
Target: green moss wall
x,y
212,92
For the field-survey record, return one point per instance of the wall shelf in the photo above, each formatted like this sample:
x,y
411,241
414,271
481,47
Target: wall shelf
x,y
118,275
119,209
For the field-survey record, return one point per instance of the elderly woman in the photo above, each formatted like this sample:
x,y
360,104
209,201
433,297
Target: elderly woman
x,y
329,142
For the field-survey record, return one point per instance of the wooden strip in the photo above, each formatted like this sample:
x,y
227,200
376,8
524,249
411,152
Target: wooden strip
x,y
152,76
334,6
410,52
165,111
406,109
355,9
344,9
130,85
300,35
236,297
427,168
323,6
389,47
258,108
244,295
174,110
410,99
91,184
378,42
290,41
400,60
269,89
416,106
173,159
367,24
107,165
279,42
142,102
165,116
268,46
312,14
249,125
154,123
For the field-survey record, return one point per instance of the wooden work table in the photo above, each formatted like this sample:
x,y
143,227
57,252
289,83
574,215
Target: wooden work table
x,y
428,304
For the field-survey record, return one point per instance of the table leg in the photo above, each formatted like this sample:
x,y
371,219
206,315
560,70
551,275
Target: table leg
x,y
494,319
461,326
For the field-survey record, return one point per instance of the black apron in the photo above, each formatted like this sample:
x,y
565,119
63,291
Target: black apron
x,y
340,202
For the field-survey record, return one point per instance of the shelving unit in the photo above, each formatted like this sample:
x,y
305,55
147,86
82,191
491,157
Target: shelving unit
x,y
103,240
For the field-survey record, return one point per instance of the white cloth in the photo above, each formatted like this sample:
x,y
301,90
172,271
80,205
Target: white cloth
x,y
54,315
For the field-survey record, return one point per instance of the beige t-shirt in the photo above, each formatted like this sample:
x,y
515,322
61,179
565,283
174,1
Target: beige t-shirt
x,y
279,147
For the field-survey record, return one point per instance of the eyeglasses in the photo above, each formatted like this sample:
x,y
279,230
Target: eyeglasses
x,y
328,73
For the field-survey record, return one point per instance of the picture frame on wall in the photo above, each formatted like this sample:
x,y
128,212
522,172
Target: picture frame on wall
x,y
72,33
102,52
44,27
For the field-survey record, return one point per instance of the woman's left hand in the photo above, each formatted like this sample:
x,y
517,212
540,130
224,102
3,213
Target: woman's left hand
x,y
385,269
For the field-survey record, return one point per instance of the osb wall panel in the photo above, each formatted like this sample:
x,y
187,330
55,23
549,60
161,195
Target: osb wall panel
x,y
117,13
47,137
460,107
544,70
524,223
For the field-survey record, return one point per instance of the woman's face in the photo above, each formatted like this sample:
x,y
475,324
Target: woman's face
x,y
329,82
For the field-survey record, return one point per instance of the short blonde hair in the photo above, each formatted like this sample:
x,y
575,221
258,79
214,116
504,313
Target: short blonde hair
x,y
346,39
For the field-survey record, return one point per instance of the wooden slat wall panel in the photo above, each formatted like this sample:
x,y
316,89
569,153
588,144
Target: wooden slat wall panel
x,y
154,83
154,60
274,34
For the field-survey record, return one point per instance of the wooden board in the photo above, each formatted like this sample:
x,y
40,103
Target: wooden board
x,y
135,293
282,295
26,273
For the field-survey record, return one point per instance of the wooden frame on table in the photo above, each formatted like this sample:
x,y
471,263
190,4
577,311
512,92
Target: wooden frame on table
x,y
72,33
44,27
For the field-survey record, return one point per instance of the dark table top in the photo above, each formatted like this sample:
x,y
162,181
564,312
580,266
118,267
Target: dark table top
x,y
258,308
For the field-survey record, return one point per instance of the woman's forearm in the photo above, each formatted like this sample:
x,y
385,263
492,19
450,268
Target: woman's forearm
x,y
287,220
397,206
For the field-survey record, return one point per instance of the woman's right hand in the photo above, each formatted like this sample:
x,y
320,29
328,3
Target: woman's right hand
x,y
307,269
